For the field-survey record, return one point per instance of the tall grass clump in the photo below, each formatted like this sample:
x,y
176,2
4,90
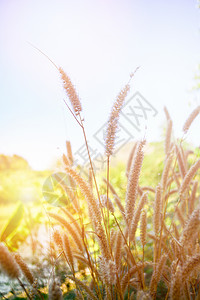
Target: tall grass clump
x,y
144,245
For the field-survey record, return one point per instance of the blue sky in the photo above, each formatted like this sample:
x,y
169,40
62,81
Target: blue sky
x,y
98,43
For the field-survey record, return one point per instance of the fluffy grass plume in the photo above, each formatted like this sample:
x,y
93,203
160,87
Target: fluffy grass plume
x,y
181,163
71,92
168,137
70,228
191,118
85,189
130,159
113,120
24,268
143,227
136,216
157,210
68,250
189,176
191,228
176,284
133,179
8,263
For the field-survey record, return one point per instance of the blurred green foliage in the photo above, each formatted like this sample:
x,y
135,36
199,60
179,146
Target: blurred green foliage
x,y
20,192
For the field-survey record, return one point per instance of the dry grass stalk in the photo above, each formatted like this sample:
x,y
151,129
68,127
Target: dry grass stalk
x,y
24,268
129,256
176,283
186,291
75,235
165,172
191,228
133,179
174,265
157,210
85,261
118,250
130,159
176,232
165,247
189,176
68,250
190,266
85,189
71,92
176,249
119,204
107,203
190,119
72,188
90,179
80,257
193,197
8,263
180,216
170,192
94,210
112,272
136,216
70,191
111,188
140,191
65,160
184,204
57,239
113,236
181,163
69,153
183,153
113,120
103,266
103,243
73,220
187,153
126,278
143,227
147,189
167,113
168,137
176,178
116,197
